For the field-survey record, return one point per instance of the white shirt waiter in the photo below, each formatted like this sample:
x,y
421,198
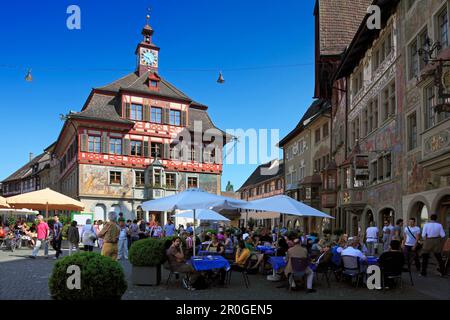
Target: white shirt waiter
x,y
372,234
350,251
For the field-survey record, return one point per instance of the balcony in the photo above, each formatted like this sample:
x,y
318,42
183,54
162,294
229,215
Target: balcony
x,y
353,198
436,149
328,199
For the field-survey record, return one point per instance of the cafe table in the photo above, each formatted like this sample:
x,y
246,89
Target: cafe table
x,y
210,262
266,249
372,260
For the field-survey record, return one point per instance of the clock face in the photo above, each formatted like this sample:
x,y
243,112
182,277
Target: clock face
x,y
148,57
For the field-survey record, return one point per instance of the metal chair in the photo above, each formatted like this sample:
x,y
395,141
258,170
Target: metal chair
x,y
243,270
351,268
299,266
391,269
171,273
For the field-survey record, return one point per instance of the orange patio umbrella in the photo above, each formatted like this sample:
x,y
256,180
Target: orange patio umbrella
x,y
3,203
45,199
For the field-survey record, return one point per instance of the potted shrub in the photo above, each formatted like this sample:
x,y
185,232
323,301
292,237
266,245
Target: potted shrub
x,y
100,278
146,257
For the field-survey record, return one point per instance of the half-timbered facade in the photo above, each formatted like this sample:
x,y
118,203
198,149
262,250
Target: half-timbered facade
x,y
135,139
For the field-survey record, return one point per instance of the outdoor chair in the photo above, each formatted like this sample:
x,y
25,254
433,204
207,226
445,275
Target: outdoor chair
x,y
391,269
325,270
171,273
242,270
299,266
351,268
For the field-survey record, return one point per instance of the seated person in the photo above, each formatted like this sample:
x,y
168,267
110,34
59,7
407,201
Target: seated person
x,y
249,244
220,237
178,263
324,261
265,237
282,247
353,251
297,251
318,245
215,245
391,262
242,255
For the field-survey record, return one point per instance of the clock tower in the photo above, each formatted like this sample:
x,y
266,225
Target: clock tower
x,y
147,52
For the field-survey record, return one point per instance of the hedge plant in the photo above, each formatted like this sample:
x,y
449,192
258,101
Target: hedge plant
x,y
148,252
101,278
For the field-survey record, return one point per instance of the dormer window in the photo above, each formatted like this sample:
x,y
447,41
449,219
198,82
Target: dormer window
x,y
153,83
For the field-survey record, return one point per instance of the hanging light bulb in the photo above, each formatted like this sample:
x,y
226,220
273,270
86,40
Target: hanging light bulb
x,y
29,77
221,79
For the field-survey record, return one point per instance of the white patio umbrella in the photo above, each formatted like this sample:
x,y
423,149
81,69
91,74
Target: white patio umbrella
x,y
192,199
201,214
286,205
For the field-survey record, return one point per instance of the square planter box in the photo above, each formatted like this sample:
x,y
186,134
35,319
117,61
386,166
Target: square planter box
x,y
146,276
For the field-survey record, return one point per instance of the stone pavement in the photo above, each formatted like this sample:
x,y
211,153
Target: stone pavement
x,y
23,278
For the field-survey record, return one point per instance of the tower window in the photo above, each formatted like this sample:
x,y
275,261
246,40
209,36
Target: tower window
x,y
153,83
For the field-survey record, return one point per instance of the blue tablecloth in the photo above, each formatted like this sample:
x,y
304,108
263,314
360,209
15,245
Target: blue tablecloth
x,y
372,260
203,263
208,253
277,263
266,249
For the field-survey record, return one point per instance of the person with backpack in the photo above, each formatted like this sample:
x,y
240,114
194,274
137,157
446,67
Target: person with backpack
x,y
57,236
88,236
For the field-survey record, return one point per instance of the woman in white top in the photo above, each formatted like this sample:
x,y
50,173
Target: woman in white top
x,y
88,235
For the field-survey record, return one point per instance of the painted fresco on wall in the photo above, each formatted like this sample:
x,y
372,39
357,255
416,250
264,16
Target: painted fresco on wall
x,y
417,176
94,181
208,182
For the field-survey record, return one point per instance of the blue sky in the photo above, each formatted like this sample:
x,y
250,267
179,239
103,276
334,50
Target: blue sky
x,y
194,34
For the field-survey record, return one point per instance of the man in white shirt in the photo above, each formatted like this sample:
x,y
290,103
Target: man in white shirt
x,y
371,238
410,242
433,234
352,251
388,230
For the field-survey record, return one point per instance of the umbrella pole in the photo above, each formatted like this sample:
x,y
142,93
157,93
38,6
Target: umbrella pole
x,y
46,210
193,240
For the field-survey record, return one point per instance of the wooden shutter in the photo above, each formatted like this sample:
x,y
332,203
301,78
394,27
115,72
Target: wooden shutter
x,y
105,143
165,118
146,110
84,142
126,147
183,118
146,149
127,110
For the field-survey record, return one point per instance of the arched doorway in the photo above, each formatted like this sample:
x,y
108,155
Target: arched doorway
x,y
443,212
140,214
368,219
386,214
354,226
100,212
289,225
419,211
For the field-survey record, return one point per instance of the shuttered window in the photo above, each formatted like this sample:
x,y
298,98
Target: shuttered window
x,y
156,115
94,144
175,117
136,148
115,146
156,150
136,112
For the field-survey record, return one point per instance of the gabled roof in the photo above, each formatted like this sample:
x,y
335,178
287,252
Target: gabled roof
x,y
257,178
101,107
317,108
27,169
338,22
134,82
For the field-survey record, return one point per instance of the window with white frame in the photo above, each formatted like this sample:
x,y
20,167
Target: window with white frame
x,y
416,62
442,27
412,131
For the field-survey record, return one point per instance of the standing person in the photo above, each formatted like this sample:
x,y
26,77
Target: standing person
x,y
180,229
88,236
110,236
398,231
156,231
73,236
387,235
142,226
97,231
57,236
411,243
433,234
169,229
129,233
123,241
371,238
134,232
189,228
43,231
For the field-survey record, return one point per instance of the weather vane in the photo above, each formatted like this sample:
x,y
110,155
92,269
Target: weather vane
x,y
148,14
